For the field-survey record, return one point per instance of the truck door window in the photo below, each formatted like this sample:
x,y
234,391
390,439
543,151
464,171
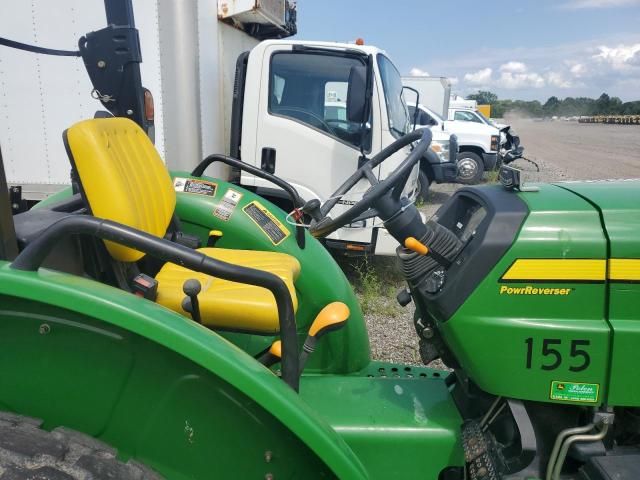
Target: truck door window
x,y
466,116
423,117
311,88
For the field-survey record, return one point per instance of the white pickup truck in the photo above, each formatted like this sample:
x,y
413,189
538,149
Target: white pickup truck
x,y
478,143
510,148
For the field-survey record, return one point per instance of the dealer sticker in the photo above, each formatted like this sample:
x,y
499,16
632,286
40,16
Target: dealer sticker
x,y
227,205
267,222
574,392
194,185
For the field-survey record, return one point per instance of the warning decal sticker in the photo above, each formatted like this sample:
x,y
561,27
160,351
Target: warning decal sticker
x,y
574,392
267,222
227,205
194,185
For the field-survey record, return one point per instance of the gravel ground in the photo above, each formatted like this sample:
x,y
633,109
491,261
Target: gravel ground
x,y
563,151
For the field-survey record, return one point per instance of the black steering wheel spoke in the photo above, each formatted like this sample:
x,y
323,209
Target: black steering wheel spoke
x,y
371,213
383,196
368,174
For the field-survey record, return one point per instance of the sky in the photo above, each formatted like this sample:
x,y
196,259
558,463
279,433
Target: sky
x,y
524,49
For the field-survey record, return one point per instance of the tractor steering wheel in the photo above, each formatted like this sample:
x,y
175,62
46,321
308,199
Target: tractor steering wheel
x,y
373,201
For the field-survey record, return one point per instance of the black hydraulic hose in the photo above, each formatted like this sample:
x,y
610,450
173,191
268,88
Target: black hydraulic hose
x,y
239,164
35,49
35,253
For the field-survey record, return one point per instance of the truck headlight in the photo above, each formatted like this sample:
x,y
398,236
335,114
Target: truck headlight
x,y
441,149
494,142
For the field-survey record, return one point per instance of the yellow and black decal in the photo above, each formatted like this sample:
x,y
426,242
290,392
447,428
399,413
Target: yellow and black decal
x,y
569,270
267,222
573,270
195,185
624,270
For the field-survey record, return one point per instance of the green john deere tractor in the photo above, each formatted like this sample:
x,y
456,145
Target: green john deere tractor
x,y
193,327
173,325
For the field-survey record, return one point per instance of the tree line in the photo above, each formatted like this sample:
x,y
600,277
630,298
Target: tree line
x,y
554,106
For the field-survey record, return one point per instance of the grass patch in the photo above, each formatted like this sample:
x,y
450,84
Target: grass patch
x,y
376,281
492,176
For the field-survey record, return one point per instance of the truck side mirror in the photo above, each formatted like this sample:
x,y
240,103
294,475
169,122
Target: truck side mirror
x,y
416,111
357,94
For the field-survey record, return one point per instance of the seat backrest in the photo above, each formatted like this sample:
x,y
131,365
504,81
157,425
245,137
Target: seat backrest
x,y
122,177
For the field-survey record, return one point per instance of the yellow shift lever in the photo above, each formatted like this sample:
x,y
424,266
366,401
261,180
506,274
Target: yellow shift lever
x,y
273,355
416,246
332,317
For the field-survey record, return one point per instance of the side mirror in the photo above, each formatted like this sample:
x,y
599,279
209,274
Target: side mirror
x,y
416,111
357,94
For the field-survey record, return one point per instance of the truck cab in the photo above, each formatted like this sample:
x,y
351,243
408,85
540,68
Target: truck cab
x,y
290,118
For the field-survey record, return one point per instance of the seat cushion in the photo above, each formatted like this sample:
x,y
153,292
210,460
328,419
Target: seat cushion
x,y
230,305
122,177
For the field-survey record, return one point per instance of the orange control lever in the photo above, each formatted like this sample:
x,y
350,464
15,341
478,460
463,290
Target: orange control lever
x,y
416,246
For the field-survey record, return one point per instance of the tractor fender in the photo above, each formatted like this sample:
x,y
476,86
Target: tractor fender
x,y
160,341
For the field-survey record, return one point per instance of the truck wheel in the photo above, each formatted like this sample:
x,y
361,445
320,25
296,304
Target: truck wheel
x,y
28,452
470,168
423,187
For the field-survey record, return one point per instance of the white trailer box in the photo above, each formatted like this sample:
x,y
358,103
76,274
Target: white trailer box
x,y
434,92
189,57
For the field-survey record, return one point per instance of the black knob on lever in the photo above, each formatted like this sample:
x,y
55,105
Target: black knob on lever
x,y
403,297
312,208
191,289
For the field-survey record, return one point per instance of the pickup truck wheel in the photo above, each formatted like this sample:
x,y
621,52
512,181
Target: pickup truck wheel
x,y
28,452
470,168
423,186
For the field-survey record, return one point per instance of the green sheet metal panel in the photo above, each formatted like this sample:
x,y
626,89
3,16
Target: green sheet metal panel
x,y
619,204
505,342
155,385
399,426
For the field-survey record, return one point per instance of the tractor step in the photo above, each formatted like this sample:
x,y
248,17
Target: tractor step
x,y
479,452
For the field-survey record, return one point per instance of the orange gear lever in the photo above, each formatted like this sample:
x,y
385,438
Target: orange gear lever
x,y
416,246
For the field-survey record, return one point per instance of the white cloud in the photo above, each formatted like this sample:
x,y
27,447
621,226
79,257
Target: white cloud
x,y
513,67
556,79
453,80
515,81
418,72
619,58
480,78
578,70
582,4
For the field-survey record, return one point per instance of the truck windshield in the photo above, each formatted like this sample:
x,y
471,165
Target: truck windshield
x,y
397,112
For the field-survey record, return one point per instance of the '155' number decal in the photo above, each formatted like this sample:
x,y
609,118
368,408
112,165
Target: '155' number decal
x,y
552,358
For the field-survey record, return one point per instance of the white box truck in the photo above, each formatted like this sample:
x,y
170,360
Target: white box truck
x,y
217,89
435,92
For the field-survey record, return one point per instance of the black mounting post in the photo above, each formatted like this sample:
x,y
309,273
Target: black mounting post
x,y
8,242
112,58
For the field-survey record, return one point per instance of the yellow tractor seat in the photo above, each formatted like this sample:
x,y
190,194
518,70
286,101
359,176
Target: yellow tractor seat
x,y
230,305
122,178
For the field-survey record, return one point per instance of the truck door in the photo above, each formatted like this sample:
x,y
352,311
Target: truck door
x,y
302,133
